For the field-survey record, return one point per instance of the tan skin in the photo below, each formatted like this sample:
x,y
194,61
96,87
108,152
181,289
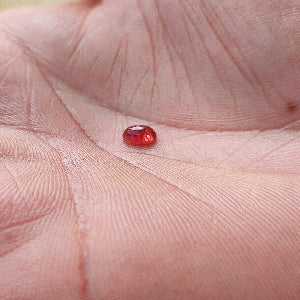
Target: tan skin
x,y
211,211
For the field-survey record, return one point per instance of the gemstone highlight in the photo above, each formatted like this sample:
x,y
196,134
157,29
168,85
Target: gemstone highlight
x,y
139,135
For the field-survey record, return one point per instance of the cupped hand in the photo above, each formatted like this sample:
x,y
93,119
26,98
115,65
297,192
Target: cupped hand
x,y
211,211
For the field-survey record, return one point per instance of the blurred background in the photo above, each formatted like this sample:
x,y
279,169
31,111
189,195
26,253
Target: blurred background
x,y
4,4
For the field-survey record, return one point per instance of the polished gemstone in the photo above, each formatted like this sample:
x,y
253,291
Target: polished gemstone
x,y
139,135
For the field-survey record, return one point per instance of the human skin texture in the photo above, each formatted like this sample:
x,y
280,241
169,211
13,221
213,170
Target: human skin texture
x,y
211,211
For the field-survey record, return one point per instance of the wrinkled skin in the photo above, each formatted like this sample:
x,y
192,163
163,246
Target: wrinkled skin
x,y
211,211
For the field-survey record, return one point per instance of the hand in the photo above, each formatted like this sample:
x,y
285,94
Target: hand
x,y
211,211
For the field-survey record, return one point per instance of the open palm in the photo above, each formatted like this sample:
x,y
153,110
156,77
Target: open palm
x,y
211,211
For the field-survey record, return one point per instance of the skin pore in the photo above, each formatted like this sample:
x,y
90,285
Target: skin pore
x,y
209,212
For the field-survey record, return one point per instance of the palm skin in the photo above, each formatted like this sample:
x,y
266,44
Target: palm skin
x,y
209,212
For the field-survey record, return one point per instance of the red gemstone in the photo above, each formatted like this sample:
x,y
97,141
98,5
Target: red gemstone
x,y
139,135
